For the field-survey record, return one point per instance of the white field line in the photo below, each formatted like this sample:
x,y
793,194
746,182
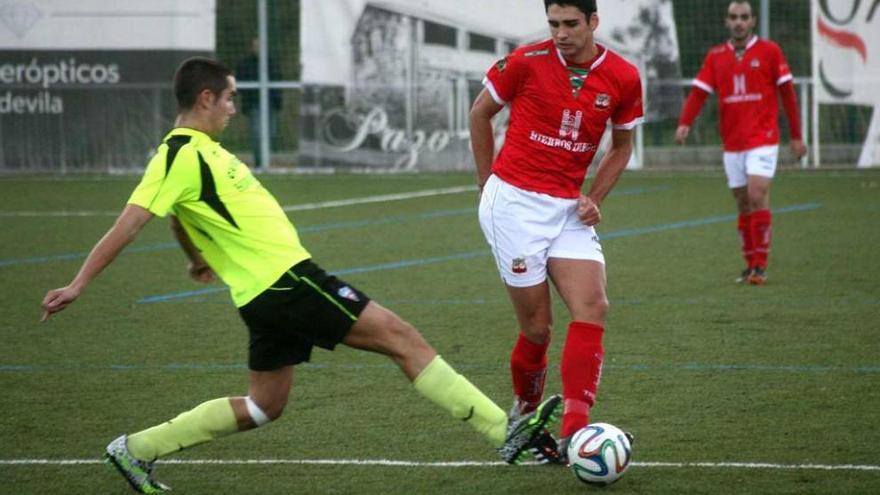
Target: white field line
x,y
381,198
444,464
300,207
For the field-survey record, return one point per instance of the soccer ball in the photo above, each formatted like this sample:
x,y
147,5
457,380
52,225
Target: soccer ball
x,y
599,453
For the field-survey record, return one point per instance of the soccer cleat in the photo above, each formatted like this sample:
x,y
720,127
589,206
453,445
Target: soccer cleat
x,y
139,474
524,432
758,276
744,276
519,409
548,451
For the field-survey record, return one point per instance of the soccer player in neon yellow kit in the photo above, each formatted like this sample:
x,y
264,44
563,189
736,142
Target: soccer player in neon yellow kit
x,y
229,225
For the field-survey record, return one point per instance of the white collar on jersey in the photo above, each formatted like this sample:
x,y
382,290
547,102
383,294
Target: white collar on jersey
x,y
751,43
594,65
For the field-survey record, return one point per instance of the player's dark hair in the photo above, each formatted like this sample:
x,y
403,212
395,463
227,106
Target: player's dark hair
x,y
588,7
195,75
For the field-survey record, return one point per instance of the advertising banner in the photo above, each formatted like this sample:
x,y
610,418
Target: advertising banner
x,y
84,86
389,84
846,61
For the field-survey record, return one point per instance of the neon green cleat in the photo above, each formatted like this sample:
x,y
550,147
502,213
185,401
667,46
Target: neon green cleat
x,y
524,432
138,473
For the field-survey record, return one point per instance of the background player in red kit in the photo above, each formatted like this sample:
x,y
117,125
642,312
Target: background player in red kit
x,y
562,93
746,73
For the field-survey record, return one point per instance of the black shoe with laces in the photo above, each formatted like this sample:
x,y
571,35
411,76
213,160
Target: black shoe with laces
x,y
548,451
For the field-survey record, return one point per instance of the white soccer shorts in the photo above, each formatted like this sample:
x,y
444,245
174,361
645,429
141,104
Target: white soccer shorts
x,y
525,229
756,161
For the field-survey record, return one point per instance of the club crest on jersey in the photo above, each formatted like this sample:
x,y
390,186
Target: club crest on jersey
x,y
519,265
501,64
571,124
755,63
602,100
347,292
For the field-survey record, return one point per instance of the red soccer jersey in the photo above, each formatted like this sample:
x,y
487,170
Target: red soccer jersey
x,y
747,91
554,130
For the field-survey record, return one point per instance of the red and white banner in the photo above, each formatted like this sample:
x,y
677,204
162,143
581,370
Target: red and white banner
x,y
846,61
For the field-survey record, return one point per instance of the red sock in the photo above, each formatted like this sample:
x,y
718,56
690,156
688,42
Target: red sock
x,y
761,229
581,369
528,368
744,226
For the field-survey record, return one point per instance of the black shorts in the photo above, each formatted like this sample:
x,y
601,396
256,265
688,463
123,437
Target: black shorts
x,y
306,307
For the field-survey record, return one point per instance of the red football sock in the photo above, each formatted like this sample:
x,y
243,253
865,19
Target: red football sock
x,y
744,226
761,229
528,368
581,369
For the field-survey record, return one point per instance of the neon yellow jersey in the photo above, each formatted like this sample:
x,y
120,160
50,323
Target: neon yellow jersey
x,y
238,226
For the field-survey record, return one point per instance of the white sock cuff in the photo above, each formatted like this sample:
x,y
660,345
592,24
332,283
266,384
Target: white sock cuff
x,y
257,415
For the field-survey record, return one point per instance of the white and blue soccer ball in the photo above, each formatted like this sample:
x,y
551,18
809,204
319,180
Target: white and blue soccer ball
x,y
599,453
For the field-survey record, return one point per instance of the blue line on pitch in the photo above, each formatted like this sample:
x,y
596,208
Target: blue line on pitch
x,y
344,271
307,229
699,222
695,367
75,256
484,252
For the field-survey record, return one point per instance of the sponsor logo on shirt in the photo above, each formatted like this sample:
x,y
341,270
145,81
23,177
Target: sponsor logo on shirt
x,y
519,265
740,91
571,124
561,143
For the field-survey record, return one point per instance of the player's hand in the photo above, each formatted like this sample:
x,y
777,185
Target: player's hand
x,y
588,211
58,299
201,272
798,148
681,134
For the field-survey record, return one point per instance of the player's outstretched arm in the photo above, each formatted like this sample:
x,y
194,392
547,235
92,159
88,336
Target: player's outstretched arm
x,y
198,268
610,168
127,226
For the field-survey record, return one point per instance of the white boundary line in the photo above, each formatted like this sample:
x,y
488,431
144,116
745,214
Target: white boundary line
x,y
442,464
381,198
300,207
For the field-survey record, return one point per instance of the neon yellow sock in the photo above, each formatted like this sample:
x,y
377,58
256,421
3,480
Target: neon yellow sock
x,y
453,392
205,422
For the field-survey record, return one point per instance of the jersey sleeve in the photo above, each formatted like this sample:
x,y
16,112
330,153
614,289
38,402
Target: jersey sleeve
x,y
161,187
781,69
504,79
630,111
705,78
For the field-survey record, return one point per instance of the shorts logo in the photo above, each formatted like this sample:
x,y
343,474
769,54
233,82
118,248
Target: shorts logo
x,y
346,292
519,265
602,100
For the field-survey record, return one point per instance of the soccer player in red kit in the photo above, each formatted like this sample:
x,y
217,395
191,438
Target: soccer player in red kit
x,y
747,72
562,93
